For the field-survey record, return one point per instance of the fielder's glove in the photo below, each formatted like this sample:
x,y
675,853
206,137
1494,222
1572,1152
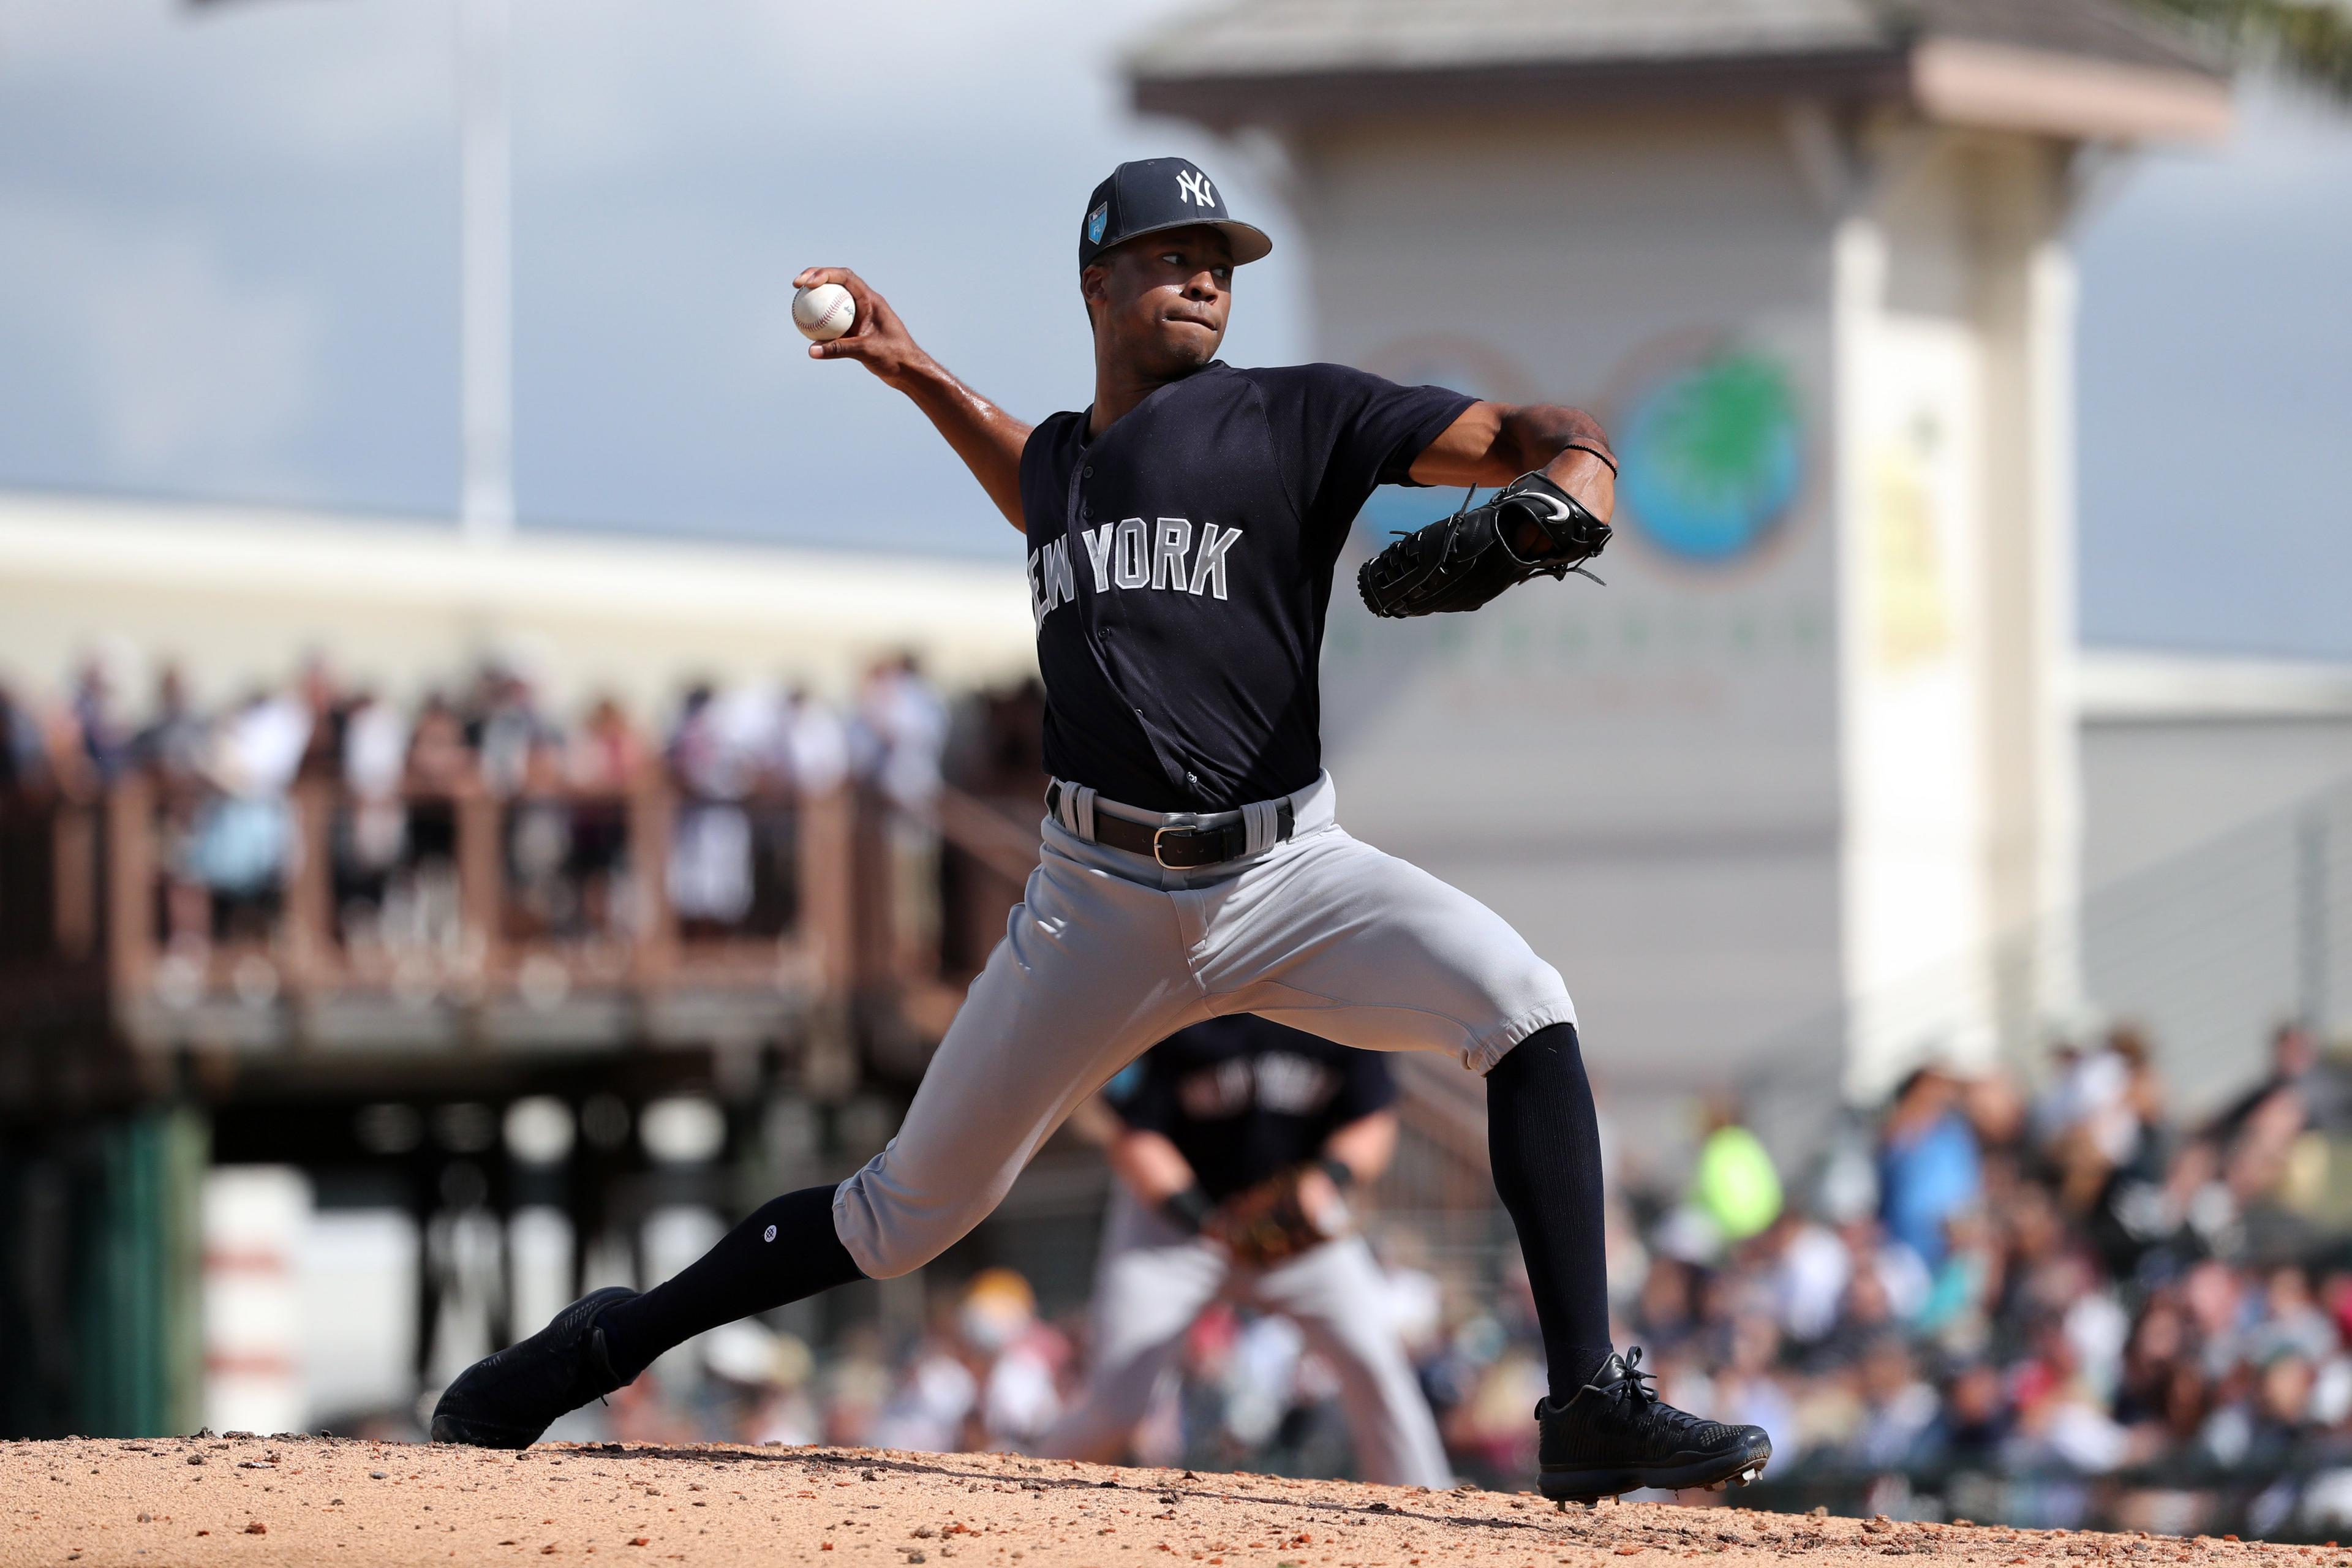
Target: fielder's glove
x,y
1530,527
1272,1222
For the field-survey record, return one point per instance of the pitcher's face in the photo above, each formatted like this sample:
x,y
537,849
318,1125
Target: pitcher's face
x,y
1160,301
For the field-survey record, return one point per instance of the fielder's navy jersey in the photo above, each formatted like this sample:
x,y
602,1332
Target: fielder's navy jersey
x,y
1180,567
1242,1097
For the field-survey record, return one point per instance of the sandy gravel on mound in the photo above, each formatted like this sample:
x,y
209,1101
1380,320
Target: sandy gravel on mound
x,y
348,1503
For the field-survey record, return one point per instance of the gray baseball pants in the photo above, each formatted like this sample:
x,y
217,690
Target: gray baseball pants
x,y
1108,954
1154,1280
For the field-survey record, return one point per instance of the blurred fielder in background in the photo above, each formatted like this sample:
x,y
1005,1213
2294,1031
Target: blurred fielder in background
x,y
1239,1141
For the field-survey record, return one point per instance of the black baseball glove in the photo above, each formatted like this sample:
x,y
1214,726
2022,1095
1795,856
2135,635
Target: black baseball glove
x,y
1530,527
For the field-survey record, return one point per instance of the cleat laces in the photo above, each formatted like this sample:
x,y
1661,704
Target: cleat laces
x,y
1632,1387
1632,1398
1632,1383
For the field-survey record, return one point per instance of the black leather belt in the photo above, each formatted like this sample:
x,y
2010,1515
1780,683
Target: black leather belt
x,y
1178,847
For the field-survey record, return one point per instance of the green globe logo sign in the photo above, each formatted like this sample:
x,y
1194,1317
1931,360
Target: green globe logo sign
x,y
1712,455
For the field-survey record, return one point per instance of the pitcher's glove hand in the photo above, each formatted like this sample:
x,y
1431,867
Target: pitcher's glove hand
x,y
1282,1216
1530,527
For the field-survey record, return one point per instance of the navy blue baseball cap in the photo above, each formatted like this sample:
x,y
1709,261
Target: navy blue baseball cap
x,y
1153,193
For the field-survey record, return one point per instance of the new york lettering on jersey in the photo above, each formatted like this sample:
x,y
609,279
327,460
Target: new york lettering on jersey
x,y
1133,554
1180,568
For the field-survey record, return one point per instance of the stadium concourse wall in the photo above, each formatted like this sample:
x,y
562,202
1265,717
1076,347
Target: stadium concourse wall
x,y
237,596
2216,873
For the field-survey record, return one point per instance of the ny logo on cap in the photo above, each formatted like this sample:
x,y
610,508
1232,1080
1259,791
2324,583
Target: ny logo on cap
x,y
1193,185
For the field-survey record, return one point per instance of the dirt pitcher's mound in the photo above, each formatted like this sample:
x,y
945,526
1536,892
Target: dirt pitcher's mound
x,y
312,1501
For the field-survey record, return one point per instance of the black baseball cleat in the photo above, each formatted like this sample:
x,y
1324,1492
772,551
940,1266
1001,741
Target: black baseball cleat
x,y
1616,1436
507,1400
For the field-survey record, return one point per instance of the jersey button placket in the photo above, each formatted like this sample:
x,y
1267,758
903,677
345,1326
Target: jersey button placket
x,y
1085,521
1102,604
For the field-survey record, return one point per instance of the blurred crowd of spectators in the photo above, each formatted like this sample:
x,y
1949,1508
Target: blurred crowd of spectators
x,y
2149,1318
2127,1319
2066,1285
226,777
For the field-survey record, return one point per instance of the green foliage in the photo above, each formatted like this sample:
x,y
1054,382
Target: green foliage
x,y
2313,39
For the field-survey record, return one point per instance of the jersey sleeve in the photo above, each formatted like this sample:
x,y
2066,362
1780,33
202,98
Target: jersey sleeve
x,y
1366,1083
1045,460
1143,1094
1341,432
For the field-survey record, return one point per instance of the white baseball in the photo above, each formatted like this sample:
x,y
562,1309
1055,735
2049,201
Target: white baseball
x,y
824,312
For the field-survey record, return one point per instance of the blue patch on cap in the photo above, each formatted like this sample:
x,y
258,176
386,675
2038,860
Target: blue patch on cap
x,y
1096,221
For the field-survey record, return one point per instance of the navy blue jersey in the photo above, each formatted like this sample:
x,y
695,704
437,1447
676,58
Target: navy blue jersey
x,y
1242,1097
1180,567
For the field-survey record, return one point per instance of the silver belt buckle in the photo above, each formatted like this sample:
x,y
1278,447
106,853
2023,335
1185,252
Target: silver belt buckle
x,y
1192,821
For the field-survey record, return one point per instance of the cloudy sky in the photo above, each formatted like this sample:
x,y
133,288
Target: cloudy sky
x,y
228,251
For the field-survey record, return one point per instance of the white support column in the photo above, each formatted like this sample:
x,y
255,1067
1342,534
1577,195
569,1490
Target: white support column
x,y
1917,568
1858,275
2026,319
2058,782
1953,311
485,266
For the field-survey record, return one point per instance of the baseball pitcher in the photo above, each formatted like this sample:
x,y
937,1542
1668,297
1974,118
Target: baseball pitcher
x,y
1242,1139
1181,534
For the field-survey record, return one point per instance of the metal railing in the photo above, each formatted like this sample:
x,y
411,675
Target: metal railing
x,y
466,929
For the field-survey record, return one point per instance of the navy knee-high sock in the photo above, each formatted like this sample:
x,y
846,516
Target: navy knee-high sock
x,y
786,1250
1544,1142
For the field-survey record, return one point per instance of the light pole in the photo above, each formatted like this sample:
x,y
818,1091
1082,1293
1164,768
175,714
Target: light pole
x,y
485,272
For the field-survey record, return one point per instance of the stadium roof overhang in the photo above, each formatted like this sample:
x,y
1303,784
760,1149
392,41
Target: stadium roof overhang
x,y
2080,69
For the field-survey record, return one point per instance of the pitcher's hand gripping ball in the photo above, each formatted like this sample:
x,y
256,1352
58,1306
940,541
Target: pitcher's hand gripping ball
x,y
824,312
1530,527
